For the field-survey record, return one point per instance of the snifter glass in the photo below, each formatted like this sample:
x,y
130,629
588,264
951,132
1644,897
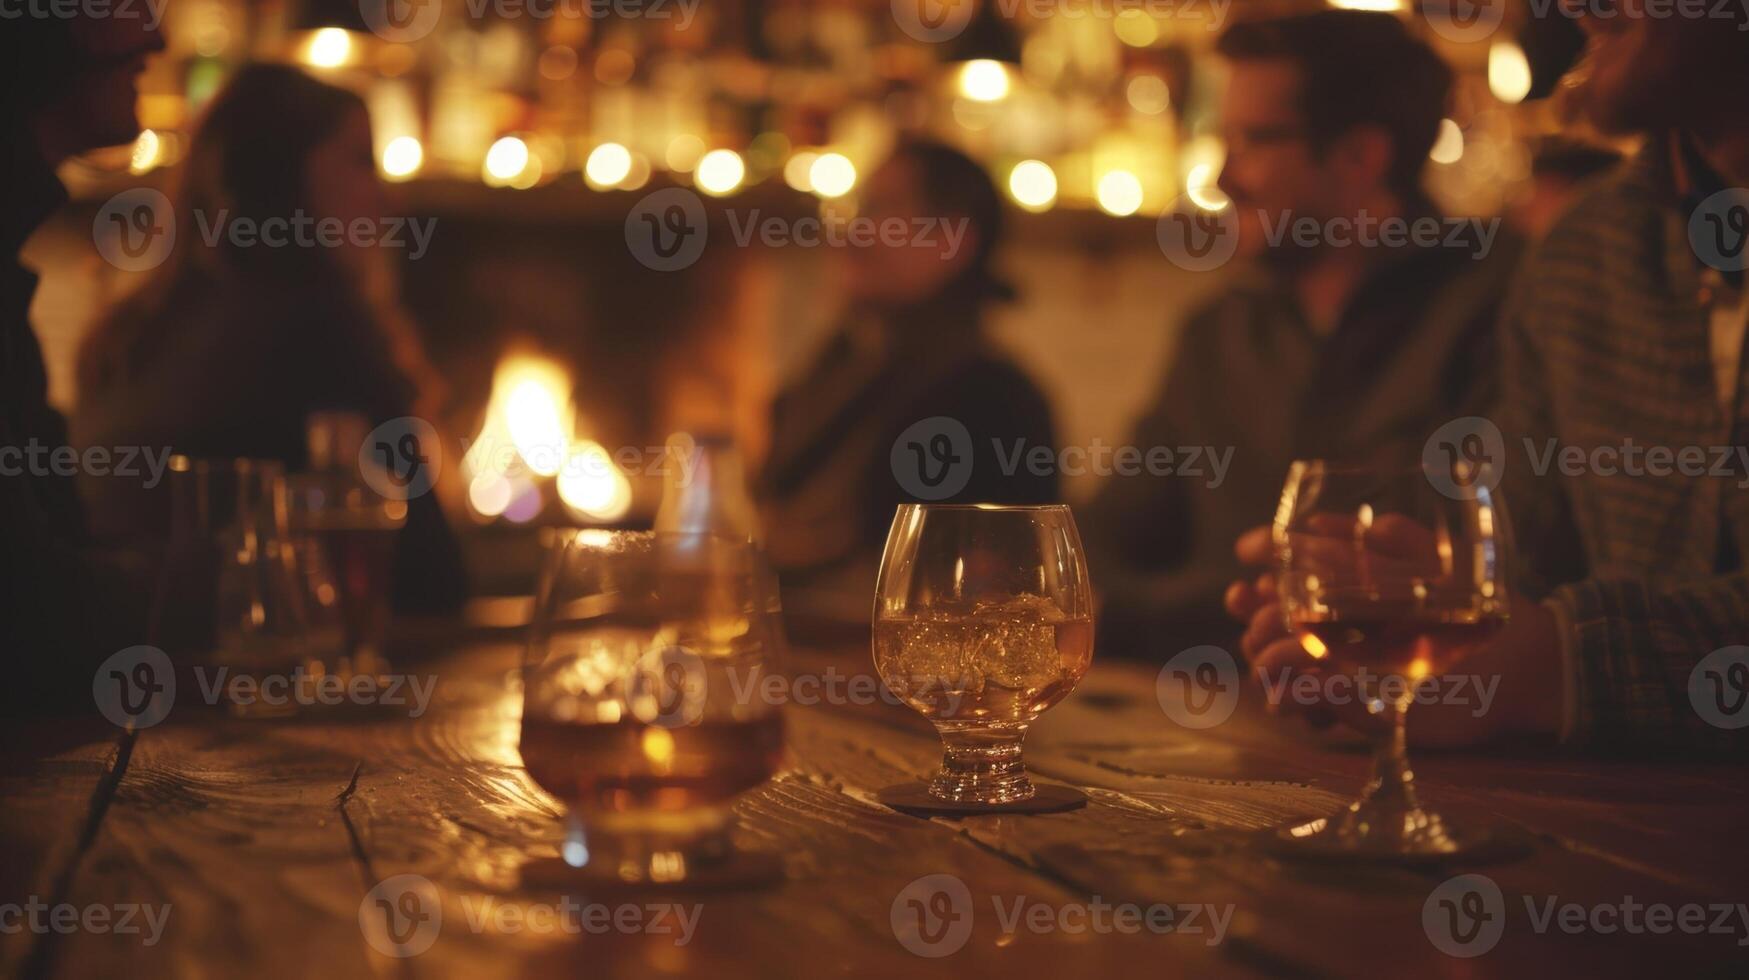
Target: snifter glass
x,y
1389,577
634,708
983,620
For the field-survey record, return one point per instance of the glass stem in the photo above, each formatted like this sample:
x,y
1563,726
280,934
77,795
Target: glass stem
x,y
981,765
1393,782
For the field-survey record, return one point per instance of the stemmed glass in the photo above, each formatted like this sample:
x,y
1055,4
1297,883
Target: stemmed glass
x,y
1389,579
641,703
983,619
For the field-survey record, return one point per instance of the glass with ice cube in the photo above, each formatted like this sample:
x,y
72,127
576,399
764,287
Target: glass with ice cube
x,y
983,619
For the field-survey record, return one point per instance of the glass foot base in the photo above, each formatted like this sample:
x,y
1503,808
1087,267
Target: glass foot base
x,y
674,851
918,799
1368,833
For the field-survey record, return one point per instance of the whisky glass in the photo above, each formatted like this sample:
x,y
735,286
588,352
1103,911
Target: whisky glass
x,y
641,711
983,620
1388,581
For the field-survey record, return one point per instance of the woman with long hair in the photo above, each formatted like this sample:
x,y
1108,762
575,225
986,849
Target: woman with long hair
x,y
276,301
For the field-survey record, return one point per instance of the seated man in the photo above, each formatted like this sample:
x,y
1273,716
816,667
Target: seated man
x,y
1623,342
1343,343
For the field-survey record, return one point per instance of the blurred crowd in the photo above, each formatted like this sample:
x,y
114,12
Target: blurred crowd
x,y
1590,320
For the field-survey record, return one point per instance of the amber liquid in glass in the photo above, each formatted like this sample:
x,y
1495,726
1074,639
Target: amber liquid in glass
x,y
1389,638
631,767
999,662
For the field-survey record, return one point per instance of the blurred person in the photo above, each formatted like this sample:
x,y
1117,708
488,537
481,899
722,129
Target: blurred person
x,y
1328,348
1560,170
1625,330
235,341
67,86
912,347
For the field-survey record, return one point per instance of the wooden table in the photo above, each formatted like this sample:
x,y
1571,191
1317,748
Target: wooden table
x,y
264,838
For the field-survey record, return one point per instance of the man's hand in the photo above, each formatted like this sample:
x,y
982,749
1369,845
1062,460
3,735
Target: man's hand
x,y
1516,687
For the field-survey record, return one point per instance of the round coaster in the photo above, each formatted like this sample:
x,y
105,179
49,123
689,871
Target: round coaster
x,y
739,871
914,799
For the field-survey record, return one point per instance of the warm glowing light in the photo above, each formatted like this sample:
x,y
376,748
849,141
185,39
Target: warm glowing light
x,y
658,745
489,494
592,485
639,175
1508,72
984,80
1135,28
506,161
684,152
1449,146
795,170
1148,94
1033,184
832,175
329,47
608,164
148,150
535,415
402,158
1200,187
1119,193
1314,647
720,172
1384,6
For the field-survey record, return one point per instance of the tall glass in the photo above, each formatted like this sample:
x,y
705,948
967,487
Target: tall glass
x,y
1388,580
983,620
641,701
